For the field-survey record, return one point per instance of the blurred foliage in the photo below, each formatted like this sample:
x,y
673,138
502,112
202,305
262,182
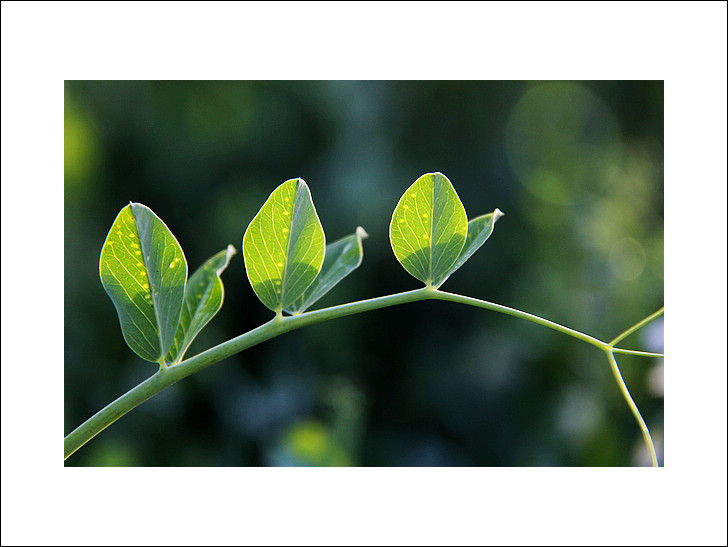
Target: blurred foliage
x,y
576,166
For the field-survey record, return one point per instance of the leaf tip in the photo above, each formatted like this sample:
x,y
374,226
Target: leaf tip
x,y
361,233
497,214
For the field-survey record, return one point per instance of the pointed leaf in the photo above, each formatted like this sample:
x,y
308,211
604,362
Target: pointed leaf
x,y
343,256
203,299
143,270
479,230
428,228
284,246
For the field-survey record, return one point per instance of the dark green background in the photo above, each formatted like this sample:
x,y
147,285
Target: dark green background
x,y
576,166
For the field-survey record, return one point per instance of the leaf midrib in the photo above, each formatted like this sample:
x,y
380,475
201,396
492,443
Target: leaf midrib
x,y
286,256
432,228
294,219
155,304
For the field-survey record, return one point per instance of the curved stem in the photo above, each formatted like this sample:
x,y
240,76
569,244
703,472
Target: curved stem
x,y
607,348
166,376
632,406
637,326
113,411
440,295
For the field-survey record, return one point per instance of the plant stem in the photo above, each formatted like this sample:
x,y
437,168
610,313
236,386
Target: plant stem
x,y
635,352
637,326
633,407
113,411
168,375
440,295
607,348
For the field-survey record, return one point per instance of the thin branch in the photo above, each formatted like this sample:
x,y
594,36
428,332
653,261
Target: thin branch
x,y
633,407
637,352
638,326
440,295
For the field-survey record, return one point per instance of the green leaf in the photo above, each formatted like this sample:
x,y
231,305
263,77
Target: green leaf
x,y
143,270
343,256
479,230
428,228
284,246
203,299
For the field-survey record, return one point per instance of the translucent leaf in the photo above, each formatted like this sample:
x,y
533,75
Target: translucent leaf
x,y
479,230
343,256
284,246
428,228
203,299
143,270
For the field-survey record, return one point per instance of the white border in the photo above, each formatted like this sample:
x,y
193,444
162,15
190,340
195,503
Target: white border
x,y
45,43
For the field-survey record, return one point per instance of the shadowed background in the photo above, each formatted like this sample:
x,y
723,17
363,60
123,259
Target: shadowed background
x,y
575,166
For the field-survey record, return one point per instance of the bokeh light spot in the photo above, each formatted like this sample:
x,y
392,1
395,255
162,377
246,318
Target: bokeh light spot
x,y
627,259
562,142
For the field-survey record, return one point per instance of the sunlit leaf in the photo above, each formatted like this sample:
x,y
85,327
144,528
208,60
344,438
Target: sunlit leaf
x,y
479,230
143,270
428,228
284,246
203,299
343,256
